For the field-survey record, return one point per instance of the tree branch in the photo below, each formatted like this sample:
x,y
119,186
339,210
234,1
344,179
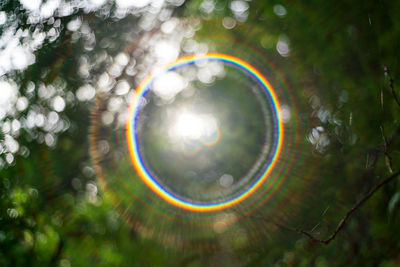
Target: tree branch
x,y
391,84
388,158
342,223
346,218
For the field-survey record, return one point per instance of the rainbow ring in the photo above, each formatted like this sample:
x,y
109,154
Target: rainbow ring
x,y
133,143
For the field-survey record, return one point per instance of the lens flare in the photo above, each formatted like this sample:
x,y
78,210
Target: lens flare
x,y
194,154
191,127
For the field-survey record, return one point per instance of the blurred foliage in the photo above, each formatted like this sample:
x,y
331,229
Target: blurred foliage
x,y
51,211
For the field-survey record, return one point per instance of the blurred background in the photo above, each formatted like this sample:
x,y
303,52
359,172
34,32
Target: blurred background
x,y
71,197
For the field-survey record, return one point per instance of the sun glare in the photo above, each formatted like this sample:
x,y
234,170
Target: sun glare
x,y
195,127
190,126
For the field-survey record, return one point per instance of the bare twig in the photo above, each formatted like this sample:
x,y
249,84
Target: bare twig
x,y
388,158
391,84
319,223
346,218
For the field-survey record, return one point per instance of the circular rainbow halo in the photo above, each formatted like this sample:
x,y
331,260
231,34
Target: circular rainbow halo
x,y
206,135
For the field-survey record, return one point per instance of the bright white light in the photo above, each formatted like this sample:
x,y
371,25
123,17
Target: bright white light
x,y
74,25
168,85
166,51
31,4
85,92
48,8
196,127
239,6
132,3
8,96
58,103
3,17
170,25
190,126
